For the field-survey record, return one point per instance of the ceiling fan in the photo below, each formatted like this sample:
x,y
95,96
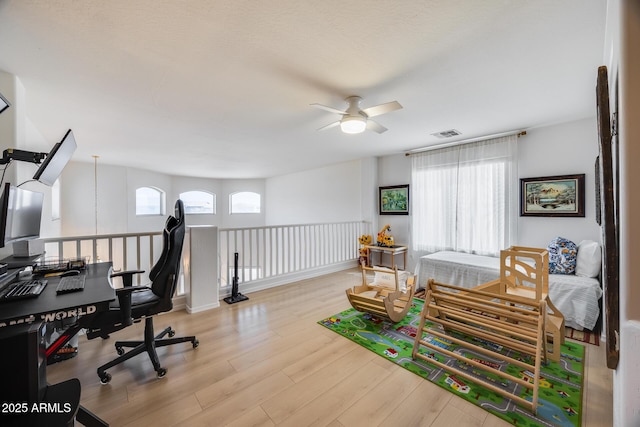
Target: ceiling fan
x,y
355,119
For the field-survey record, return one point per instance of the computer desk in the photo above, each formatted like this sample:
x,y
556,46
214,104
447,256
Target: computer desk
x,y
49,306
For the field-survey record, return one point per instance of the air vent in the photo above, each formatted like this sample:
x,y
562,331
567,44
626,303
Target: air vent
x,y
446,133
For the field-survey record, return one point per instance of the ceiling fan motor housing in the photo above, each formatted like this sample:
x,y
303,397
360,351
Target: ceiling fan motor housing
x,y
355,119
353,124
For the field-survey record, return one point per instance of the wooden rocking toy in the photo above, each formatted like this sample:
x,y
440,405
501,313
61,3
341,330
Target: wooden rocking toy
x,y
389,295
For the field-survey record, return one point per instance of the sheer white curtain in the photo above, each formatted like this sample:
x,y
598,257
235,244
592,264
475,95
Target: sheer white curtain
x,y
465,197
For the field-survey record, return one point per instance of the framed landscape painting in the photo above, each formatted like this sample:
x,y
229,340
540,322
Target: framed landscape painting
x,y
552,196
394,200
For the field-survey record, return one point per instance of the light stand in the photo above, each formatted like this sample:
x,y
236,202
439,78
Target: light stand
x,y
235,295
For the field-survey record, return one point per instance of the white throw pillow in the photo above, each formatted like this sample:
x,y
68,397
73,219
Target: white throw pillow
x,y
589,259
387,279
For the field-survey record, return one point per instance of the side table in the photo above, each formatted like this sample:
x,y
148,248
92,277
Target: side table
x,y
392,251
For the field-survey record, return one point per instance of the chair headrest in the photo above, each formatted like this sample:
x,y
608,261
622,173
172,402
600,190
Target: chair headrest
x,y
179,210
177,219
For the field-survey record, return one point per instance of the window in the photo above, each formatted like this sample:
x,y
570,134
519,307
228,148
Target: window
x,y
465,197
244,202
149,201
198,202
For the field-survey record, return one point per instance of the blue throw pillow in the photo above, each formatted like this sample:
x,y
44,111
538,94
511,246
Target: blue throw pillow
x,y
563,254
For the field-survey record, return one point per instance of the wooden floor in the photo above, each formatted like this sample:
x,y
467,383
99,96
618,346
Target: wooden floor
x,y
266,362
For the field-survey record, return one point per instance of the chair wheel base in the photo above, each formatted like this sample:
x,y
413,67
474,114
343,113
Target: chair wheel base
x,y
105,378
160,373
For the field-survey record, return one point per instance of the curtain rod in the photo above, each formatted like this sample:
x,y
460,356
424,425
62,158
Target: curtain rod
x,y
519,133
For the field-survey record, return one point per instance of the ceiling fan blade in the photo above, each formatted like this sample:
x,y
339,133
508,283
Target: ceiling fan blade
x,y
330,125
377,110
375,126
329,109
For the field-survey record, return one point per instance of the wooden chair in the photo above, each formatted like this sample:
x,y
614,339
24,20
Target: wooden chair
x,y
387,296
524,272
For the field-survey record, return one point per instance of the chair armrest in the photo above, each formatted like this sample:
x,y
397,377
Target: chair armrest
x,y
124,300
127,276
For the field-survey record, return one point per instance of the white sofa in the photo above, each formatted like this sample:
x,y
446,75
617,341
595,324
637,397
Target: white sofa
x,y
577,297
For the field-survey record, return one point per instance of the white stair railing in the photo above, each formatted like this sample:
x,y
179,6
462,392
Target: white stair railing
x,y
265,253
127,251
271,251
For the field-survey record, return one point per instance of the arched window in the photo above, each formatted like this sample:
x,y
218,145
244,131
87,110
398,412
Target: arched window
x,y
150,201
244,202
198,202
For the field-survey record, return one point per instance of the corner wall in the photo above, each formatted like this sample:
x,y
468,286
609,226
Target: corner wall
x,y
566,149
328,194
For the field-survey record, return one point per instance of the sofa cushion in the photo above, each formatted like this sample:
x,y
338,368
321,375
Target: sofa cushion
x,y
385,277
589,259
562,256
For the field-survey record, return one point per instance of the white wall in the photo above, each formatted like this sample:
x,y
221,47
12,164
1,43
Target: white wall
x,y
368,192
621,56
34,141
566,149
329,194
116,199
8,130
569,148
136,178
16,131
242,220
215,186
396,170
78,203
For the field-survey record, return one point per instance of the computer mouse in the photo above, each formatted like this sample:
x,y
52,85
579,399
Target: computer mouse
x,y
70,273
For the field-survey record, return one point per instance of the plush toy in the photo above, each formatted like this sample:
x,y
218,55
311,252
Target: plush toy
x,y
384,238
365,239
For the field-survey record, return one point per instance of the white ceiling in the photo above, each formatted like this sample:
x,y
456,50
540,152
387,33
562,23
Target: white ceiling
x,y
222,88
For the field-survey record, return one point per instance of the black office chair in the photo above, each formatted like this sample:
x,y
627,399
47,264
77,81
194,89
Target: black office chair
x,y
137,302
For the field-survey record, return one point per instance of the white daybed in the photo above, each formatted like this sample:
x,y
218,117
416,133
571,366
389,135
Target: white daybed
x,y
575,296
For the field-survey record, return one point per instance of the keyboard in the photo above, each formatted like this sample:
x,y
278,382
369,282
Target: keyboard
x,y
70,284
20,290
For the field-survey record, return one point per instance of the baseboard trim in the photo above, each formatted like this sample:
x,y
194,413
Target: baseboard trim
x,y
285,279
192,310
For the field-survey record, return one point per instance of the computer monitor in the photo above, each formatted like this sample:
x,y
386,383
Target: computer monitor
x,y
4,104
51,168
20,214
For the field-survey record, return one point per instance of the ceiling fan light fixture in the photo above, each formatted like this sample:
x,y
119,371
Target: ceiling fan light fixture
x,y
353,124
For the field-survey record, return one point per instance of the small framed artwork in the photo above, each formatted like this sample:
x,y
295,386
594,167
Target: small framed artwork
x,y
557,196
394,200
